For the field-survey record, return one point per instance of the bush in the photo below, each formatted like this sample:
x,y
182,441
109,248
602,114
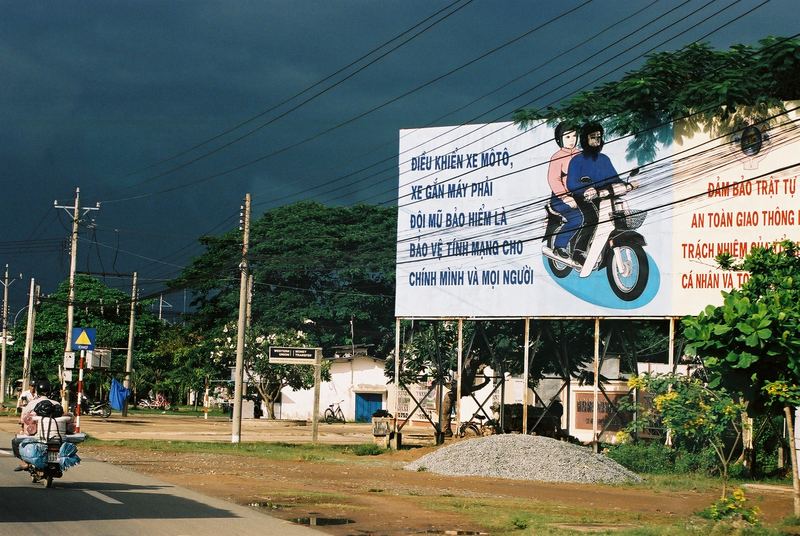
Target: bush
x,y
656,458
702,461
732,506
368,449
641,457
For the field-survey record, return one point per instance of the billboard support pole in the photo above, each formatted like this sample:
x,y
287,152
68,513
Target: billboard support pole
x,y
671,351
396,442
460,367
525,376
595,438
317,382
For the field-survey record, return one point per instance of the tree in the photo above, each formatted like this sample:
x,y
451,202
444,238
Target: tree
x,y
328,264
268,378
753,338
751,343
694,413
97,306
718,91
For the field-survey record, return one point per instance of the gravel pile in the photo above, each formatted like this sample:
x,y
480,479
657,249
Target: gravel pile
x,y
523,457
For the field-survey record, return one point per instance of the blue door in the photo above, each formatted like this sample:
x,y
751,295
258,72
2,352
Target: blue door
x,y
366,405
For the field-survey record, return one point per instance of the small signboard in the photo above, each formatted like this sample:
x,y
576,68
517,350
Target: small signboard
x,y
292,356
83,338
69,360
100,358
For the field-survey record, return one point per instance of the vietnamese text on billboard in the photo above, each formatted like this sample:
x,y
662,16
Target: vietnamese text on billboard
x,y
494,221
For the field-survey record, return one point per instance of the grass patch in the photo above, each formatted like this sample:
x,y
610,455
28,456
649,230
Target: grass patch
x,y
291,497
271,451
518,517
368,449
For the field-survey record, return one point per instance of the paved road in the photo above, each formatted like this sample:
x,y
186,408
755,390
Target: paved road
x,y
100,499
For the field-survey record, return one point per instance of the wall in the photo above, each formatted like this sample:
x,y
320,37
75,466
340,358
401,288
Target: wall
x,y
348,377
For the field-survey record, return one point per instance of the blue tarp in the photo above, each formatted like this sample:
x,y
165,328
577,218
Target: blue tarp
x,y
118,395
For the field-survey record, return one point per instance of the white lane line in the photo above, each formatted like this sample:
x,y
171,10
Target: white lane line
x,y
100,496
5,453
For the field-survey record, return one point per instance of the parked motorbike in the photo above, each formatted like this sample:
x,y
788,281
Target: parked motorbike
x,y
101,409
612,244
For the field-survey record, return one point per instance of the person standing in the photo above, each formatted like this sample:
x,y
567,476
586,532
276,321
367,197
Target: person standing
x,y
25,397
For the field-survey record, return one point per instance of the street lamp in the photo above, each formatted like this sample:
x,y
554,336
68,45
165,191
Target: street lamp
x,y
14,322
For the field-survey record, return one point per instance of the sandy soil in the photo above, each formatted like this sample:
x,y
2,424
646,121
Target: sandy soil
x,y
374,492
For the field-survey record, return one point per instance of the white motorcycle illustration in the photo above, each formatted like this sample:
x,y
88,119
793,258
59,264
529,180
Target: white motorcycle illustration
x,y
612,244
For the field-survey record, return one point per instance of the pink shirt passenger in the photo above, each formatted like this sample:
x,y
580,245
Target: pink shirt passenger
x,y
557,170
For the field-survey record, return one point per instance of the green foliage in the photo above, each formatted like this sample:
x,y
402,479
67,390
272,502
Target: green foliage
x,y
653,457
520,521
751,343
368,449
326,264
716,90
96,306
268,378
644,457
732,506
694,413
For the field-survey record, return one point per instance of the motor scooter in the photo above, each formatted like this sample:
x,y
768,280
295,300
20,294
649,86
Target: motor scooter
x,y
101,409
612,243
48,453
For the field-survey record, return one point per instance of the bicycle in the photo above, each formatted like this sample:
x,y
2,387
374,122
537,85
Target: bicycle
x,y
476,427
334,414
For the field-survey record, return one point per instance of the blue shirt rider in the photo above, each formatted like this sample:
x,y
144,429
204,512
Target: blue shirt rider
x,y
588,172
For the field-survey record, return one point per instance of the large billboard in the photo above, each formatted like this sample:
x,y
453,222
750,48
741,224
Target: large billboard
x,y
496,221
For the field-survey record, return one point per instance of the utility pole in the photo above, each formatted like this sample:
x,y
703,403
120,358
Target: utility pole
x,y
161,304
73,260
237,397
129,359
26,355
6,284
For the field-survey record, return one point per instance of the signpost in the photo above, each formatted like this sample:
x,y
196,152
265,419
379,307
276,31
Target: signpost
x,y
82,339
302,356
292,356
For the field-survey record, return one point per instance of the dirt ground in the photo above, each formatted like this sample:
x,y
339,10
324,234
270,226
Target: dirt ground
x,y
375,493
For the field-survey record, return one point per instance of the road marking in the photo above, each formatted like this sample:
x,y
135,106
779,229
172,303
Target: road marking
x,y
100,496
5,453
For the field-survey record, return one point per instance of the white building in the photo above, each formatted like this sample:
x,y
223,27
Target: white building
x,y
358,384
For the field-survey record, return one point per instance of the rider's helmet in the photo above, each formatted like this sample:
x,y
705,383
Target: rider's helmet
x,y
586,130
43,387
562,128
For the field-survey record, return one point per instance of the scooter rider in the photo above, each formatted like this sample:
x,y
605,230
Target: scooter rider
x,y
588,172
28,424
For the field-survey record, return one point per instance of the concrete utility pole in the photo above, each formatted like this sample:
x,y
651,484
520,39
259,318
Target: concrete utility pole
x,y
161,304
73,260
6,284
237,397
26,354
129,359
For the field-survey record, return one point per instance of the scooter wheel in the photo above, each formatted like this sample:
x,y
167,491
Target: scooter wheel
x,y
106,412
559,269
49,482
627,270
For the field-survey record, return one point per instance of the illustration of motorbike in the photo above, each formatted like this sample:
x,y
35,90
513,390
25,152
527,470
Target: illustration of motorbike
x,y
612,243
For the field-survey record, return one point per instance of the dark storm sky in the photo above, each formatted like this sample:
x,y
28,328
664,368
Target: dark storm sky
x,y
97,94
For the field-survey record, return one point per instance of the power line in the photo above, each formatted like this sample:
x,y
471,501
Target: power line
x,y
284,114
